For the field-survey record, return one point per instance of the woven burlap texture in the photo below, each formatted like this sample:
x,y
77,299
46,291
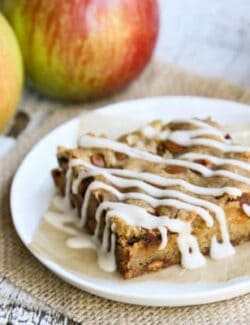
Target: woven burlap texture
x,y
20,267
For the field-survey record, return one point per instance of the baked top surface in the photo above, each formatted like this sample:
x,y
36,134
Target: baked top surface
x,y
187,171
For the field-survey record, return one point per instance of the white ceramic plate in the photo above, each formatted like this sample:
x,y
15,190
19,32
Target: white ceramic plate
x,y
32,190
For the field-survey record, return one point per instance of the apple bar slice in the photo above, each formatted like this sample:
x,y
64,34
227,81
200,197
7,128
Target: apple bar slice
x,y
146,211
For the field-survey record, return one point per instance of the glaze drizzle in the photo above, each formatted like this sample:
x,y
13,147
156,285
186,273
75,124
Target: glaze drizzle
x,y
149,183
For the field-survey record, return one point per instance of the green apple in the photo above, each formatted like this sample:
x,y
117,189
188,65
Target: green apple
x,y
11,73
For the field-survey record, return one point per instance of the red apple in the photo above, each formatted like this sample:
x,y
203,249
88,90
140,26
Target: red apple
x,y
78,49
11,73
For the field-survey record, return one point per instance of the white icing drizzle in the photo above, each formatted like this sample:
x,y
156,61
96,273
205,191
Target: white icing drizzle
x,y
89,141
155,180
61,222
106,256
83,241
95,142
188,138
246,209
191,137
79,240
152,191
192,156
204,129
221,250
191,257
185,138
195,122
136,216
206,172
96,185
164,237
65,203
192,202
139,217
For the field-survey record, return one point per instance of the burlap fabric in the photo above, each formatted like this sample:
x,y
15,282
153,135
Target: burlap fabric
x,y
20,267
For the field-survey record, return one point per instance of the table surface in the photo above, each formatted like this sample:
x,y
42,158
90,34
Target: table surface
x,y
209,37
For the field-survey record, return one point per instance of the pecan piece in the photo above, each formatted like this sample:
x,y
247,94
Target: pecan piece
x,y
98,160
174,147
172,169
121,156
150,236
160,149
205,163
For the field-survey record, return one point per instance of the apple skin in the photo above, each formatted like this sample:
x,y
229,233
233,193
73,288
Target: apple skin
x,y
81,49
11,73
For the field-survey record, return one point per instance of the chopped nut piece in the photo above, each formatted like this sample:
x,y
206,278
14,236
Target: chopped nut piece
x,y
173,147
121,156
171,169
205,163
160,149
98,160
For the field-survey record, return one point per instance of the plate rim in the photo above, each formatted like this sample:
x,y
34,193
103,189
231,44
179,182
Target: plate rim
x,y
228,291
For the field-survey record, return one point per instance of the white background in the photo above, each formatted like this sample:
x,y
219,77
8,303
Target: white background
x,y
211,37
